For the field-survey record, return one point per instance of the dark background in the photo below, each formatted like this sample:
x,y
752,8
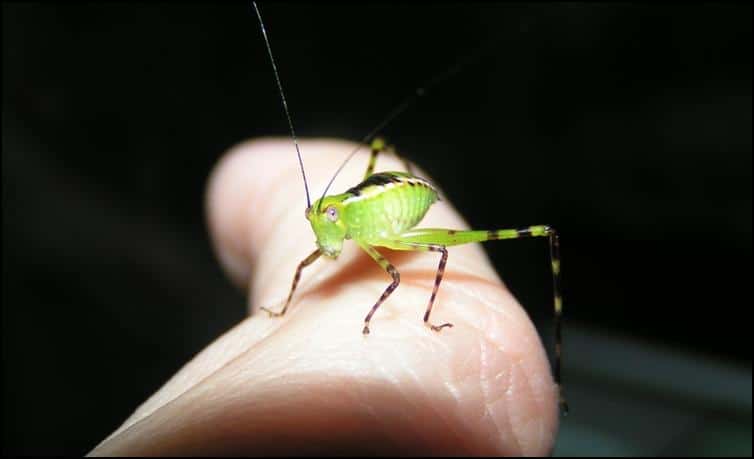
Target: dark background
x,y
627,127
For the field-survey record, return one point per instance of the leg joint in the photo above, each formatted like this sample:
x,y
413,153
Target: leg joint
x,y
394,273
539,230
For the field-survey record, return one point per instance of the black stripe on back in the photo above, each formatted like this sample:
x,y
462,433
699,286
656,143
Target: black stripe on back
x,y
375,180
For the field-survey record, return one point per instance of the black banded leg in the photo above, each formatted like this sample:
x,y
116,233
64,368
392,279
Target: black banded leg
x,y
307,261
554,240
378,146
402,244
449,237
390,288
438,279
558,299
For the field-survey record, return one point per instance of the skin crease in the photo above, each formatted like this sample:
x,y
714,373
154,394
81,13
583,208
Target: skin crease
x,y
310,382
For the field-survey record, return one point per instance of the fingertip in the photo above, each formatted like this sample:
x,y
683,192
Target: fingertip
x,y
239,188
504,357
221,221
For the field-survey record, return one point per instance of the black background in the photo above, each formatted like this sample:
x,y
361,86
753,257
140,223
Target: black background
x,y
627,127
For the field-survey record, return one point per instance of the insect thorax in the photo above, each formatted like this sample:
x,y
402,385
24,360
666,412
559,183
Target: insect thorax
x,y
386,204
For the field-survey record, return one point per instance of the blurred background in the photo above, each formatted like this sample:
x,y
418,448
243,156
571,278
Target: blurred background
x,y
627,127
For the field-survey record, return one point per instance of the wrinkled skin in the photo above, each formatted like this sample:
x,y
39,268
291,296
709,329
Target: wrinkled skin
x,y
309,382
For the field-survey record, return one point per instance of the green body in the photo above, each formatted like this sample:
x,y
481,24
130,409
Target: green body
x,y
382,211
375,212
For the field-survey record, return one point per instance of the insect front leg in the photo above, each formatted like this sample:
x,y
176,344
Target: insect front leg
x,y
307,261
378,146
382,261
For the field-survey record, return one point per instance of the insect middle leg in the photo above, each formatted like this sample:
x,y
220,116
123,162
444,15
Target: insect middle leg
x,y
382,261
378,146
306,262
438,279
400,244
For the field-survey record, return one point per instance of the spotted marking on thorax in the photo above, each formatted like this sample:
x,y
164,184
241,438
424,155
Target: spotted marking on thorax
x,y
379,183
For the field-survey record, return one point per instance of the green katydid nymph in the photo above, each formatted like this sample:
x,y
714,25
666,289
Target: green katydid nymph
x,y
383,211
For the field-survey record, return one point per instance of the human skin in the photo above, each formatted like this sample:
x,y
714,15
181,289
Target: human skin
x,y
310,382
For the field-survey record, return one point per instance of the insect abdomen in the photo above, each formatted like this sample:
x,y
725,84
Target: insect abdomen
x,y
387,204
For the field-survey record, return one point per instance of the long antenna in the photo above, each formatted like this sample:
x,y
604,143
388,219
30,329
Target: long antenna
x,y
285,104
407,102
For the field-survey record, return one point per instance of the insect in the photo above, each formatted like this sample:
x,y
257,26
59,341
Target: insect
x,y
383,211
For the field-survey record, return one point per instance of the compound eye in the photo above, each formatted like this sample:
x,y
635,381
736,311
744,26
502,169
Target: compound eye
x,y
332,213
